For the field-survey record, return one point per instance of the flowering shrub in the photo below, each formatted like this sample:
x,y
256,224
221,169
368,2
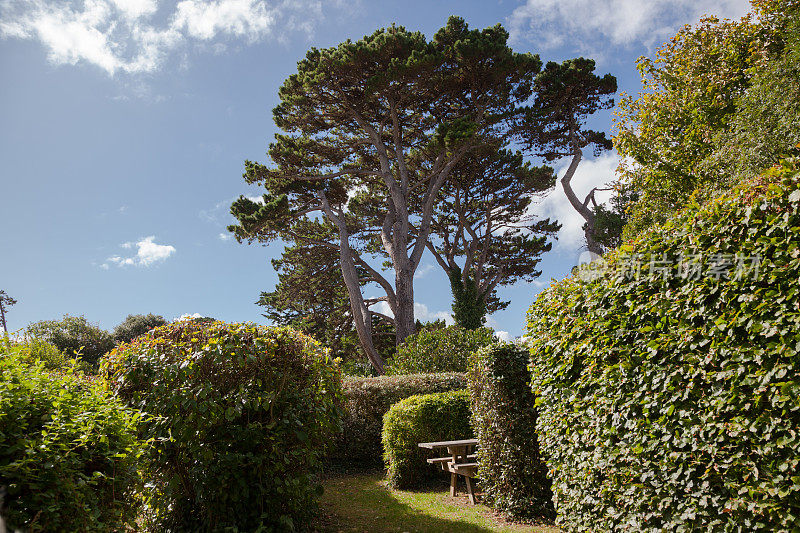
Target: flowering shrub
x,y
239,415
512,473
671,402
68,449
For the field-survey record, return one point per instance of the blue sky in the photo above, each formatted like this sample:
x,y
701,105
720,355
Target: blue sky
x,y
124,125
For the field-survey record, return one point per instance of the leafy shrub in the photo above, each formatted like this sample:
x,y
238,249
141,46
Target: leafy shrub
x,y
68,449
135,325
512,472
439,350
424,418
240,415
33,350
368,399
671,402
74,335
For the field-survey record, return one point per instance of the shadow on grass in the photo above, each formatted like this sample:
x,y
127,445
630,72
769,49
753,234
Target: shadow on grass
x,y
356,503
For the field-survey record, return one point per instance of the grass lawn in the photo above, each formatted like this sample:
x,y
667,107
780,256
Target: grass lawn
x,y
363,502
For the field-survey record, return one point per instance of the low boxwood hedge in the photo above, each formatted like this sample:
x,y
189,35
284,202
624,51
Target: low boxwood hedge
x,y
68,449
239,414
669,380
367,400
423,418
512,472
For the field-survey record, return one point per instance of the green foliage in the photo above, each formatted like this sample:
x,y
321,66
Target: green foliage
x,y
423,418
512,472
74,336
671,402
368,399
720,103
240,415
135,325
68,449
439,350
469,304
34,350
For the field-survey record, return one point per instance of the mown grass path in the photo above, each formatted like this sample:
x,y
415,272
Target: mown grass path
x,y
363,502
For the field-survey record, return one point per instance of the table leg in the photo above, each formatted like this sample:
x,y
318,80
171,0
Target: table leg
x,y
453,483
470,490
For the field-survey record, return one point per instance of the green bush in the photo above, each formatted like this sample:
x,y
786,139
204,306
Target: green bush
x,y
240,416
135,325
512,472
424,418
367,400
68,450
671,401
74,335
32,350
439,350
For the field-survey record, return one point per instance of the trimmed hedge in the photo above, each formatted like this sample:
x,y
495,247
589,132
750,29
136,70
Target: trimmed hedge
x,y
671,402
68,449
512,472
439,350
240,415
423,418
367,400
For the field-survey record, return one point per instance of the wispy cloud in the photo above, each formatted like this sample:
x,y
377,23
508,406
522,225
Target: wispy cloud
x,y
148,253
583,24
136,36
224,236
423,270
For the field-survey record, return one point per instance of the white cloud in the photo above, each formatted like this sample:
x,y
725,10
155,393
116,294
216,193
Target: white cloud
x,y
224,237
421,312
423,270
583,24
504,336
189,316
590,173
148,252
135,36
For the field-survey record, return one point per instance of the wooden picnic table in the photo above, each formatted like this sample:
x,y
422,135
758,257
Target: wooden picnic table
x,y
460,462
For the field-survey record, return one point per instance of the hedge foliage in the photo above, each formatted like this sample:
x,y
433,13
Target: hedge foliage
x,y
239,414
512,472
439,350
424,418
68,449
671,400
368,399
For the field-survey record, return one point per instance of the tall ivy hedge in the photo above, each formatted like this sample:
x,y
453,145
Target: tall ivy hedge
x,y
669,380
239,416
512,472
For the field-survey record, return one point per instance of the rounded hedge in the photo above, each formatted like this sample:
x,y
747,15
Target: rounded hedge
x,y
670,400
423,418
366,400
512,472
439,350
68,449
240,415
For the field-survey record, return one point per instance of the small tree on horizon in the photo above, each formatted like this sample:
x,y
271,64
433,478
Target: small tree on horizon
x,y
6,301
